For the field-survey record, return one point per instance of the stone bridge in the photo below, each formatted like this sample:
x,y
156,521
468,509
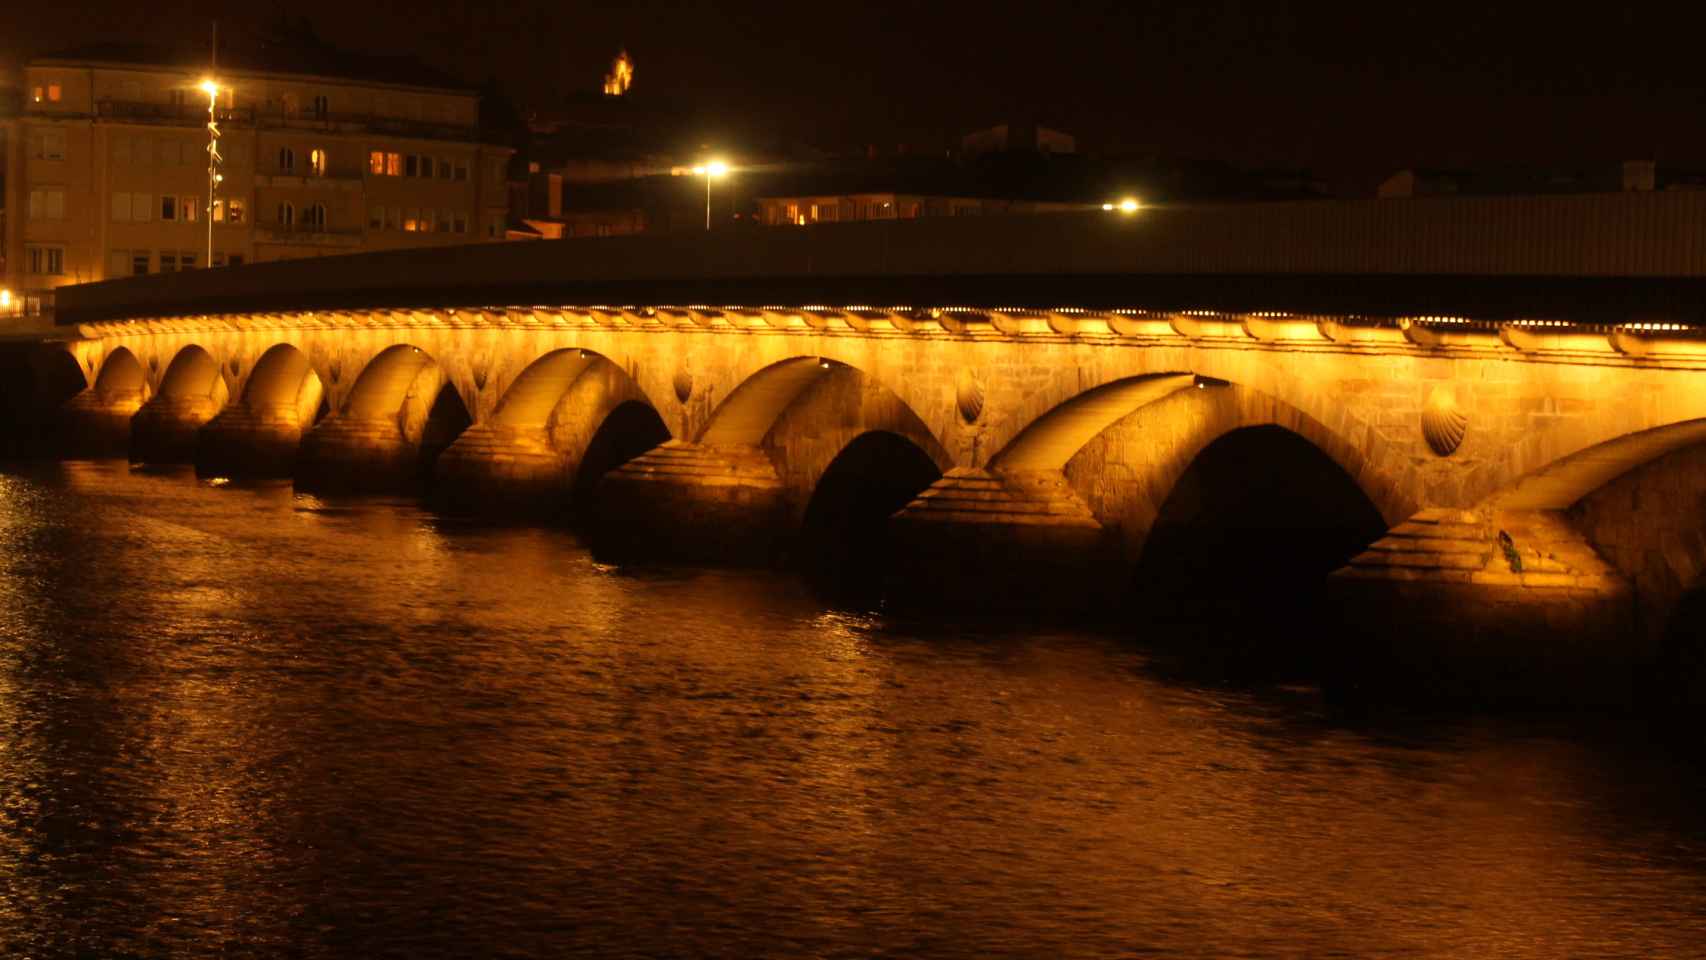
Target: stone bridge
x,y
1526,493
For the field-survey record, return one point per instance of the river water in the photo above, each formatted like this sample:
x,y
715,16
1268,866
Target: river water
x,y
243,722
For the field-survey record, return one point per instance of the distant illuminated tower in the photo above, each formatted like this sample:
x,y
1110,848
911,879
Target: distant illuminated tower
x,y
620,77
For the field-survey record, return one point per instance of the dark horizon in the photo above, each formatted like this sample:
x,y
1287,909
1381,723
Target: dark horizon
x,y
1349,95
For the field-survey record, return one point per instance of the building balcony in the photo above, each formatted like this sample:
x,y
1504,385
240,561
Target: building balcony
x,y
306,235
191,114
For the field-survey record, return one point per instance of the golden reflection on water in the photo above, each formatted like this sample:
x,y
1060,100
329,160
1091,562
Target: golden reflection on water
x,y
303,726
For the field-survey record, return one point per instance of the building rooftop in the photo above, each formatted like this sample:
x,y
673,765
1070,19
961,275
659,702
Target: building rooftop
x,y
301,54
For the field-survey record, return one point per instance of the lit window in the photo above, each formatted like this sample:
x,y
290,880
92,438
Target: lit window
x,y
36,95
393,164
219,211
187,208
411,220
376,163
234,213
53,92
317,161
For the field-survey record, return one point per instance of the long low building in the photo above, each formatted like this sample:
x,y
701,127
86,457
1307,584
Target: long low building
x,y
106,163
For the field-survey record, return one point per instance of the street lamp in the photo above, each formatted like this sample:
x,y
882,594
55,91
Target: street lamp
x,y
213,158
715,170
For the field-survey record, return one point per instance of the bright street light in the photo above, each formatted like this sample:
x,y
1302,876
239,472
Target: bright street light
x,y
1126,205
714,170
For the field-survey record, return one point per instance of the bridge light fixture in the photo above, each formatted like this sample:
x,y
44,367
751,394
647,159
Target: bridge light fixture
x,y
5,299
823,362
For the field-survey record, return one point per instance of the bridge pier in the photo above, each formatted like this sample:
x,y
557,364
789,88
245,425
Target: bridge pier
x,y
254,442
693,502
357,454
985,540
164,430
498,469
1445,607
97,425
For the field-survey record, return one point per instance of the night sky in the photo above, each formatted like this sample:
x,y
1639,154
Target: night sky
x,y
1340,89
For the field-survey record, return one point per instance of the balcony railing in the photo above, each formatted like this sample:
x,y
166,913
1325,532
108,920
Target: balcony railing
x,y
307,234
278,118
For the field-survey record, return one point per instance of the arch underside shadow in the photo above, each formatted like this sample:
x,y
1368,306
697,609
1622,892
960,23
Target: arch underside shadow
x,y
1250,530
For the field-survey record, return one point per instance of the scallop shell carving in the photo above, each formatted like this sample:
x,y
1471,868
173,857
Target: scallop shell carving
x,y
1443,425
480,374
683,385
336,370
236,366
968,394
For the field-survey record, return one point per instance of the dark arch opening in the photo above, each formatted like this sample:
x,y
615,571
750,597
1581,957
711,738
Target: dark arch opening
x,y
33,386
324,410
630,430
1680,679
1249,534
842,544
444,423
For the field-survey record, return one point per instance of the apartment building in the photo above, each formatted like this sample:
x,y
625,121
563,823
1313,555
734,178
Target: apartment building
x,y
106,165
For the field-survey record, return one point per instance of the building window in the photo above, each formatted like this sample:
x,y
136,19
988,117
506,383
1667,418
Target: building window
x,y
314,216
219,211
49,144
168,211
409,167
286,214
317,161
411,220
139,262
290,104
130,90
168,262
186,261
37,94
444,169
53,93
393,164
460,222
46,260
376,163
445,219
376,218
461,170
286,160
187,208
393,218
425,166
322,107
234,211
47,204
218,259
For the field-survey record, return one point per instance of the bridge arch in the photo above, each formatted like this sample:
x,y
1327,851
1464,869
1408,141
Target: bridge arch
x,y
261,433
571,415
97,420
400,414
804,412
192,392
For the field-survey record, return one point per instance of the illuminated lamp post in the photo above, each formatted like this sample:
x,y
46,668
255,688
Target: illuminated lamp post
x,y
213,158
715,170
